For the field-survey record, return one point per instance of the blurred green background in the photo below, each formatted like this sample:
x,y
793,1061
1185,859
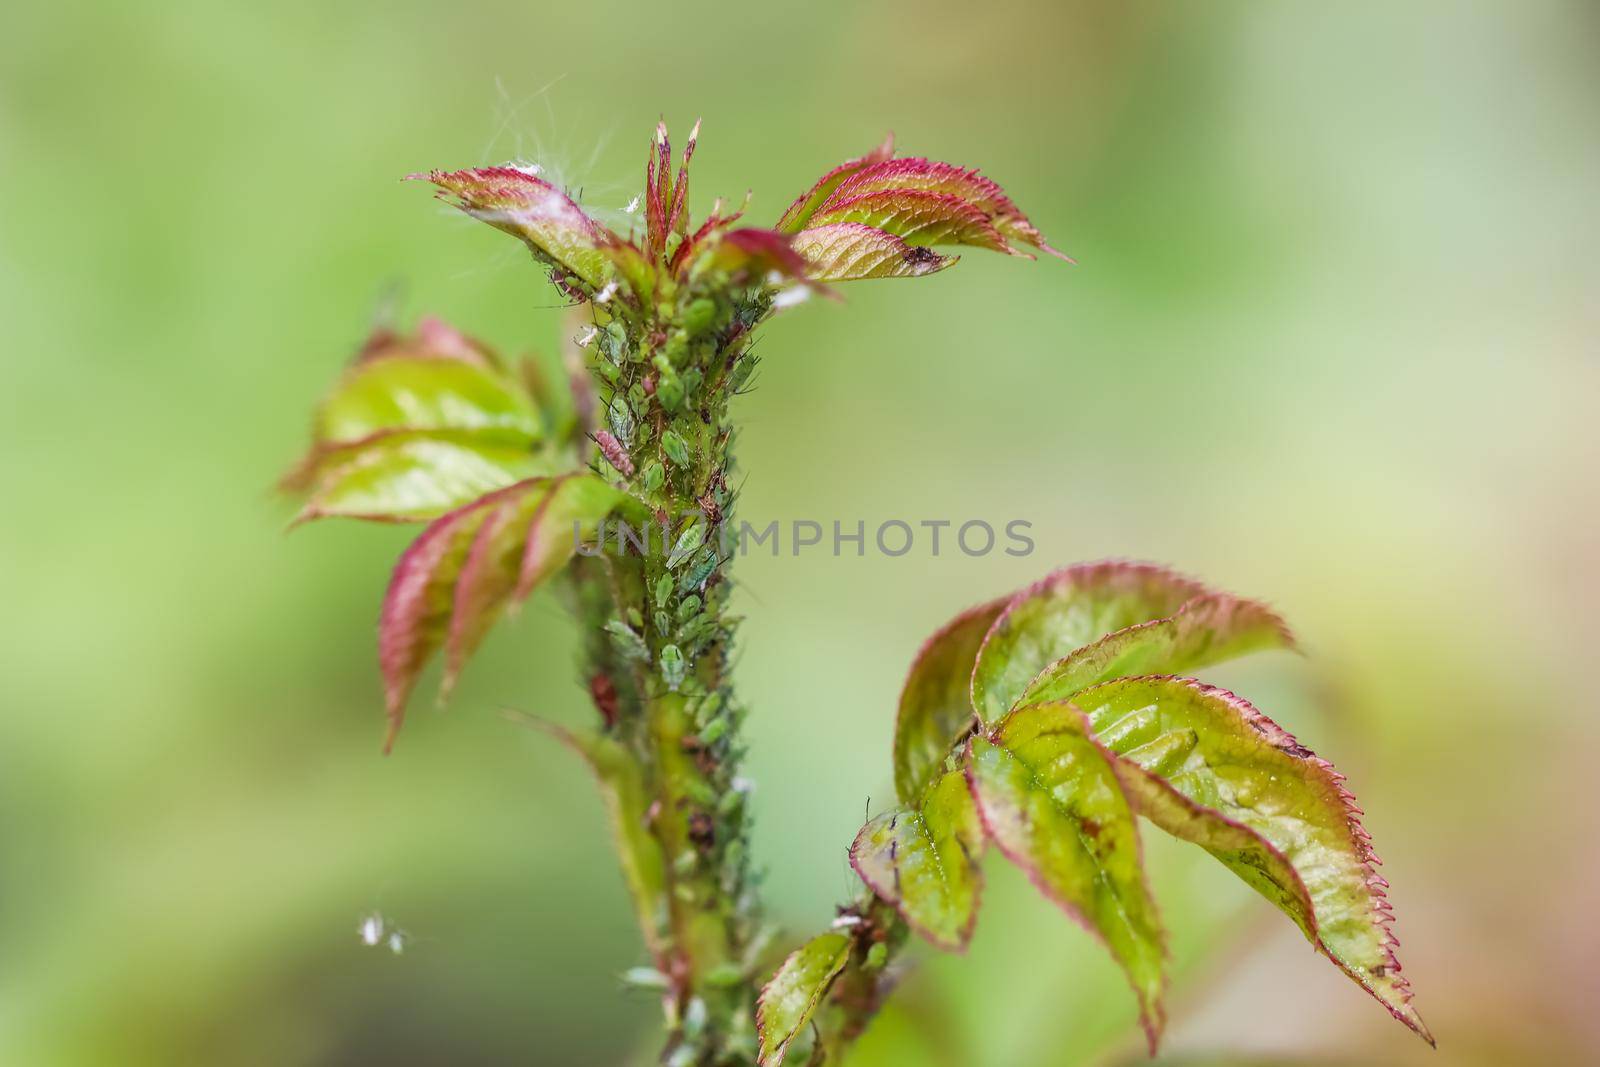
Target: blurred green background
x,y
1333,342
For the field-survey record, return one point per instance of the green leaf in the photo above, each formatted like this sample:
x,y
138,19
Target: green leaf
x,y
791,996
1210,628
1207,767
924,862
420,425
426,392
461,571
936,702
851,251
1063,612
627,805
408,477
1051,800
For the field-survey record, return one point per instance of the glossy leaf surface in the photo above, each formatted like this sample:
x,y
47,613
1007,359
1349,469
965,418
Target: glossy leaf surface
x,y
924,861
1209,628
791,996
1065,611
418,426
1050,799
852,251
1209,768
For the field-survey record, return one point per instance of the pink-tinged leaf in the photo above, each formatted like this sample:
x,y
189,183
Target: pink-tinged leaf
x,y
424,391
526,206
1050,798
802,209
402,476
850,251
923,861
755,253
1063,612
936,703
1207,767
418,426
791,996
417,606
571,515
918,218
462,571
1207,629
929,176
628,801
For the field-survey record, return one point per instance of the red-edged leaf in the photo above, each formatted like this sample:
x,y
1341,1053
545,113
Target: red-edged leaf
x,y
790,997
923,861
802,209
929,176
417,426
936,702
1207,767
404,476
849,251
462,571
1050,798
1063,612
526,206
1208,628
916,217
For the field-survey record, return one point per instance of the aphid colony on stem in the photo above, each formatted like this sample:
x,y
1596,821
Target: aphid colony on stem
x,y
1042,722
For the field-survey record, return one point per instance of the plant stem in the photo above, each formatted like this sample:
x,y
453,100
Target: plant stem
x,y
661,640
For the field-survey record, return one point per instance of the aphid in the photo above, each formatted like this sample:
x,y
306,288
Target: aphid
x,y
615,454
672,666
677,452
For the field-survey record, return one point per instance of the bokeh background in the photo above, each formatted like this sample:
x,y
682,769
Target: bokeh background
x,y
1332,341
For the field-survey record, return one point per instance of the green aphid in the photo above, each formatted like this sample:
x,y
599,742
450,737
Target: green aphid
x,y
675,448
690,380
702,569
614,342
654,476
670,392
636,618
689,541
672,666
663,622
638,399
628,642
699,316
663,589
688,608
714,731
621,420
